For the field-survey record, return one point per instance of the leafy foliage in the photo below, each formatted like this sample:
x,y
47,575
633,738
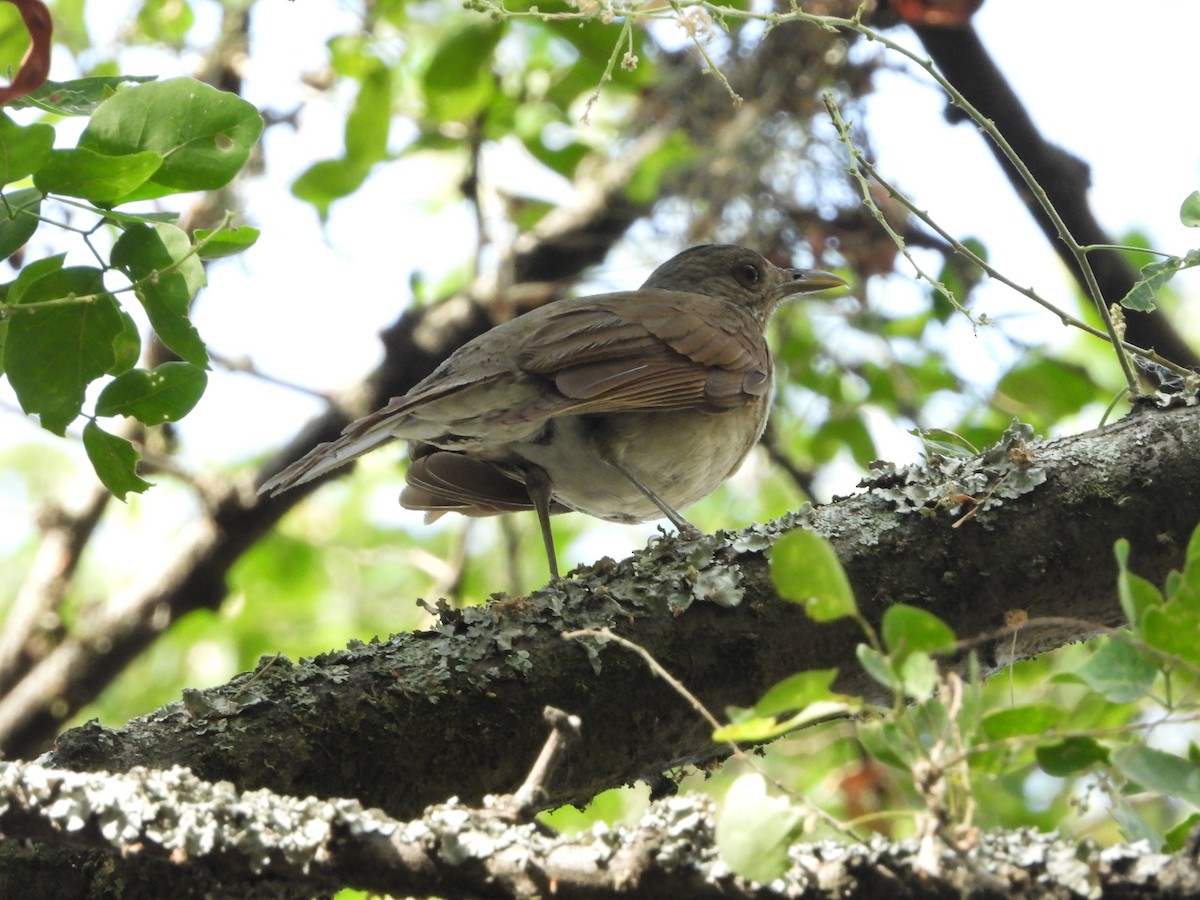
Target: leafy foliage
x,y
62,329
959,738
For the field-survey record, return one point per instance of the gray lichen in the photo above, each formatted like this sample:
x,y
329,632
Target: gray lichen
x,y
963,485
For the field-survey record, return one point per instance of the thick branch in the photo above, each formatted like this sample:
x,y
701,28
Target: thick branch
x,y
457,711
167,833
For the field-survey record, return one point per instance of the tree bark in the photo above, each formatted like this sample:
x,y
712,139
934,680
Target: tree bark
x,y
152,834
456,711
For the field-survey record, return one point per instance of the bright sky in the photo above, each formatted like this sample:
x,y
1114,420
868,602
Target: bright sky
x,y
1110,81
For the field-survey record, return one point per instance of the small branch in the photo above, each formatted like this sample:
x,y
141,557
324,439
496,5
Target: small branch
x,y
532,795
862,166
65,534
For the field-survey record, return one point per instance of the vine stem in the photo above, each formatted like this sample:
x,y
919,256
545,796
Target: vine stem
x,y
862,170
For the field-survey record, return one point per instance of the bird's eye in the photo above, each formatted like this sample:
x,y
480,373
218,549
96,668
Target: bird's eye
x,y
748,274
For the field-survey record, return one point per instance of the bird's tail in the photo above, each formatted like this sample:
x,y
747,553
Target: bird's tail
x,y
360,436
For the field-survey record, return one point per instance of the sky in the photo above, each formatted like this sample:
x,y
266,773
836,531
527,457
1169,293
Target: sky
x,y
1110,81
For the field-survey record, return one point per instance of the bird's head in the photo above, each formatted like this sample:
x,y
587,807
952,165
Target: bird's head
x,y
740,275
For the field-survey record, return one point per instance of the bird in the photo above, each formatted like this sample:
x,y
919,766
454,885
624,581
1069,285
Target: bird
x,y
626,406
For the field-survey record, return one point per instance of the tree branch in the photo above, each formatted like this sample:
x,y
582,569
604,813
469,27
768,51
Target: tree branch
x,y
363,721
154,832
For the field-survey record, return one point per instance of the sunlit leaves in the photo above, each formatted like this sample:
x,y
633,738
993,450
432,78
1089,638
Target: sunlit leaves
x,y
458,79
221,242
805,570
754,829
23,149
1189,211
166,274
64,329
203,135
59,341
18,219
115,461
1118,670
796,701
366,137
97,177
166,393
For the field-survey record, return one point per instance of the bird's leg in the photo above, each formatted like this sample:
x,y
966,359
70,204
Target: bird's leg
x,y
686,529
537,483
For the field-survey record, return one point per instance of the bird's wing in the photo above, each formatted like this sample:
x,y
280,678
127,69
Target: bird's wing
x,y
648,350
441,481
633,351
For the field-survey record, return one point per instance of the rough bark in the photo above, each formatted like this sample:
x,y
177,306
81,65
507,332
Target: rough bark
x,y
456,711
166,833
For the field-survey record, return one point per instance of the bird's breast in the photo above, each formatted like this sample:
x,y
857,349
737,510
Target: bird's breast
x,y
681,456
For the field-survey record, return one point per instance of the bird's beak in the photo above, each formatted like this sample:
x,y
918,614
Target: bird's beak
x,y
808,281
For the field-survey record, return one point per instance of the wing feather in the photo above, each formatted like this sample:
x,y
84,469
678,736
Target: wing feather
x,y
649,350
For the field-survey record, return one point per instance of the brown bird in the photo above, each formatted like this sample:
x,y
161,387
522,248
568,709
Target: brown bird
x,y
625,406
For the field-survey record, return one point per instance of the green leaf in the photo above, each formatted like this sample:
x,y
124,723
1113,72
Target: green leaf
x,y
458,80
159,259
127,346
806,694
1189,211
370,118
1173,629
1154,277
23,149
115,461
844,432
1177,837
880,668
203,135
884,741
907,629
645,184
1135,594
758,729
328,180
52,353
79,97
1119,671
754,830
1155,770
1015,721
167,393
18,219
798,691
1133,827
166,21
918,675
805,569
1074,754
1048,387
31,273
96,177
224,242
1186,588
